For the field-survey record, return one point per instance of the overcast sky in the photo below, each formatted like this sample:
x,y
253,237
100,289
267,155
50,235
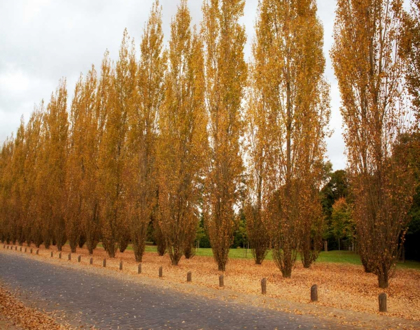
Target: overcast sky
x,y
42,41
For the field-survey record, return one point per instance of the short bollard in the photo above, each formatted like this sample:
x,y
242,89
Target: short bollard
x,y
104,263
79,258
264,286
139,269
314,293
59,255
221,281
160,271
25,250
31,250
15,248
37,251
69,256
382,302
20,249
91,261
189,277
52,254
121,265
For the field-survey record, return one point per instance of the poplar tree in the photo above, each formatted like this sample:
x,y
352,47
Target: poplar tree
x,y
113,154
55,148
369,70
82,216
13,180
74,168
142,132
183,138
226,71
6,154
289,112
31,186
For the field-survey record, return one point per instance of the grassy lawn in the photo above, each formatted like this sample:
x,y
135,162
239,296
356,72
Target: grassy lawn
x,y
330,256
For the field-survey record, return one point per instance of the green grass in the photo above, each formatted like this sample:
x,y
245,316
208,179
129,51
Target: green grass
x,y
346,257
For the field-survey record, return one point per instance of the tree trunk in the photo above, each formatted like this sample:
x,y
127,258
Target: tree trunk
x,y
287,272
383,278
221,266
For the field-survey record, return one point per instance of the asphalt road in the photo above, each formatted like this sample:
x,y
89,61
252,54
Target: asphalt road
x,y
106,302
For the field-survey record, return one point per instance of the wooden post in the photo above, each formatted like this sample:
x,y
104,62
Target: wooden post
x,y
37,251
104,263
31,250
25,250
79,258
91,261
16,248
189,277
382,302
314,293
20,249
69,256
59,255
52,253
264,286
121,265
221,281
326,246
139,269
160,271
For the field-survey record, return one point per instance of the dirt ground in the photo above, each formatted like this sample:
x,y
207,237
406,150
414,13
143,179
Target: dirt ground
x,y
340,286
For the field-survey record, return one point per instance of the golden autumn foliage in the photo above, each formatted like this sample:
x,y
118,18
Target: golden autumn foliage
x,y
370,71
29,193
226,71
142,132
113,153
288,112
182,142
82,222
54,167
410,48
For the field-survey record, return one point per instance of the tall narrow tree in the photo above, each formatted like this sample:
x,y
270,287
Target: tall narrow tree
x,y
290,112
183,138
226,71
31,186
369,70
113,154
142,132
82,216
6,154
55,148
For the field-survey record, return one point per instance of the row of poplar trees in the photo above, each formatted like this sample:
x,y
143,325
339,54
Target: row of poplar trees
x,y
192,131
